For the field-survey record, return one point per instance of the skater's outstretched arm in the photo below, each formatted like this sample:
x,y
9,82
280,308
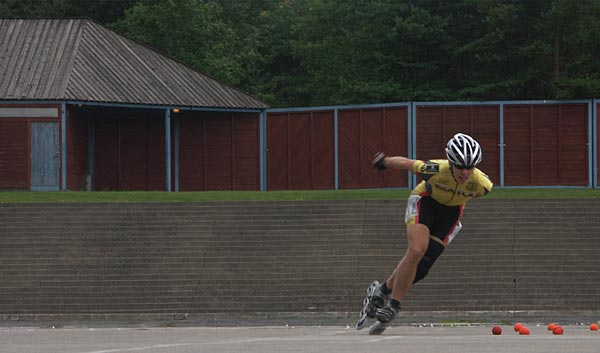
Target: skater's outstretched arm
x,y
381,162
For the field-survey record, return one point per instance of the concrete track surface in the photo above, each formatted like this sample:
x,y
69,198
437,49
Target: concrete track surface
x,y
276,339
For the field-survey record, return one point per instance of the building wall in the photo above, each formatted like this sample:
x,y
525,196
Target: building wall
x,y
142,153
129,150
106,153
218,151
15,143
300,150
525,144
77,149
14,154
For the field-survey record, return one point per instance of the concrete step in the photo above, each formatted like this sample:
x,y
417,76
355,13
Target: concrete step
x,y
311,256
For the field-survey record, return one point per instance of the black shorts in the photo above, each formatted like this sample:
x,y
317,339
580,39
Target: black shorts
x,y
443,221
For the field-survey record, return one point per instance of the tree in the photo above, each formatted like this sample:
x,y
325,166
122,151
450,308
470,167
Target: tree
x,y
191,31
264,31
103,11
567,45
284,79
374,51
322,52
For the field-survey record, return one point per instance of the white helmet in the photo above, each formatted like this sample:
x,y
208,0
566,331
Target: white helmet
x,y
463,151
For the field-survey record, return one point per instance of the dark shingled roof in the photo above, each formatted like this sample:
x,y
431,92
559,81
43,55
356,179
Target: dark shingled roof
x,y
79,59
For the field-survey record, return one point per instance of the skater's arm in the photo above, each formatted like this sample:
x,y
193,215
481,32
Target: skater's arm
x,y
399,162
382,162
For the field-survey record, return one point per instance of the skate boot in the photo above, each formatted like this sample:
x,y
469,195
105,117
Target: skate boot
x,y
384,316
374,300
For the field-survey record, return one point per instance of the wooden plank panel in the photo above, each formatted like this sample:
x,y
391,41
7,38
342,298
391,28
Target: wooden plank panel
x,y
156,178
191,152
486,129
235,142
364,132
544,142
456,119
132,154
77,149
371,143
517,150
573,145
218,162
395,143
246,174
430,142
277,151
436,125
349,149
106,153
14,154
322,150
299,151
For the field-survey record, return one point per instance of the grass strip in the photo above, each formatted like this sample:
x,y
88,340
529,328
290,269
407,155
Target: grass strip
x,y
212,196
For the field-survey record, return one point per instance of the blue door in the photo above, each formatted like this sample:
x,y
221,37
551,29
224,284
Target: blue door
x,y
45,156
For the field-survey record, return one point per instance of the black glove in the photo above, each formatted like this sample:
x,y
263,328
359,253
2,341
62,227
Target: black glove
x,y
378,161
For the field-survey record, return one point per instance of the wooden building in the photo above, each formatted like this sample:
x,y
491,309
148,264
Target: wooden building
x,y
84,108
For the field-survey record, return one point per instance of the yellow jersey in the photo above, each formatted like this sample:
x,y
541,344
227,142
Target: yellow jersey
x,y
439,183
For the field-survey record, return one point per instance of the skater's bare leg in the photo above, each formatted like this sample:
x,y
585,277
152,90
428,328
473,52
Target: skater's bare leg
x,y
404,275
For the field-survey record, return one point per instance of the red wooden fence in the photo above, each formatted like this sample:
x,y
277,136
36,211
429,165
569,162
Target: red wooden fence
x,y
435,125
524,143
300,150
546,145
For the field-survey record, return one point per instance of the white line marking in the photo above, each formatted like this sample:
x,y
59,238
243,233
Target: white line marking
x,y
383,338
133,349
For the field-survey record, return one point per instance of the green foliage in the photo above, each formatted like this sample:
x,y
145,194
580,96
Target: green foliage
x,y
104,11
569,33
322,52
368,52
191,31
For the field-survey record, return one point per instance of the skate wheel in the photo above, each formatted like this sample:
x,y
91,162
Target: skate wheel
x,y
377,328
361,323
372,287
